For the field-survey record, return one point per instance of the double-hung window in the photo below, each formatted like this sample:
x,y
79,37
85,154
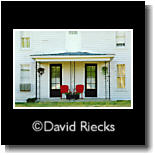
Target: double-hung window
x,y
25,84
120,39
25,40
120,75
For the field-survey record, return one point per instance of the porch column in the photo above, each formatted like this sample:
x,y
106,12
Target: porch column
x,y
74,75
109,80
105,82
70,75
39,82
36,79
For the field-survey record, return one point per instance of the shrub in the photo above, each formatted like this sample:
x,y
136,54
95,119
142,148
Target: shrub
x,y
31,100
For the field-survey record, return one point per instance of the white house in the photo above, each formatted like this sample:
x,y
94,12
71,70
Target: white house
x,y
101,60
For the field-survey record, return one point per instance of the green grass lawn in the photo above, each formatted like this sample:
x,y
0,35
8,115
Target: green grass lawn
x,y
77,104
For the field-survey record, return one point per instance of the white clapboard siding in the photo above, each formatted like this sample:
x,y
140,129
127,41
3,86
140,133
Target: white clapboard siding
x,y
42,42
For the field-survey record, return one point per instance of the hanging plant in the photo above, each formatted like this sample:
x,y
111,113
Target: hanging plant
x,y
40,70
104,70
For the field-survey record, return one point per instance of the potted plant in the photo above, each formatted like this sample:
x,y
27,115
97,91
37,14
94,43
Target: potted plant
x,y
76,96
69,95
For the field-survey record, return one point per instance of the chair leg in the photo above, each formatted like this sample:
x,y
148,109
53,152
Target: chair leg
x,y
81,95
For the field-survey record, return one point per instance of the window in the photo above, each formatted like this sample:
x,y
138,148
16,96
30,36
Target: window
x,y
25,78
55,78
120,39
120,75
90,80
91,77
73,32
25,40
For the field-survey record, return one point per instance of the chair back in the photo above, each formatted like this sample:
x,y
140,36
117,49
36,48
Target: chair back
x,y
79,88
64,88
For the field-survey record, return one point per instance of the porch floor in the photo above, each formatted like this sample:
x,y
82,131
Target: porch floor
x,y
72,100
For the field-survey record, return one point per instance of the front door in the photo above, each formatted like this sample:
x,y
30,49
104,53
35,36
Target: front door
x,y
55,79
91,80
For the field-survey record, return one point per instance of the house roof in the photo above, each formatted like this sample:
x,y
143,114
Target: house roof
x,y
70,54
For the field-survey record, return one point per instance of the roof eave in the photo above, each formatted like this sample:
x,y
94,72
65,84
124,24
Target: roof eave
x,y
73,56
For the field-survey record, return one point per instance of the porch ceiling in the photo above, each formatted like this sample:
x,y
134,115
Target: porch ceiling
x,y
73,56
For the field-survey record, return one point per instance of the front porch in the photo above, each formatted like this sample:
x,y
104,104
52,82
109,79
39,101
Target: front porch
x,y
72,69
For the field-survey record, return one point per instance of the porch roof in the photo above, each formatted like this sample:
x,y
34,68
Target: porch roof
x,y
73,56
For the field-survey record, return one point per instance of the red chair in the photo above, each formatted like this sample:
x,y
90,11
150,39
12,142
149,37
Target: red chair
x,y
63,89
80,89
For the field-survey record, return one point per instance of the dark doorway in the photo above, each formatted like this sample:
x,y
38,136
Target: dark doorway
x,y
91,80
55,79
